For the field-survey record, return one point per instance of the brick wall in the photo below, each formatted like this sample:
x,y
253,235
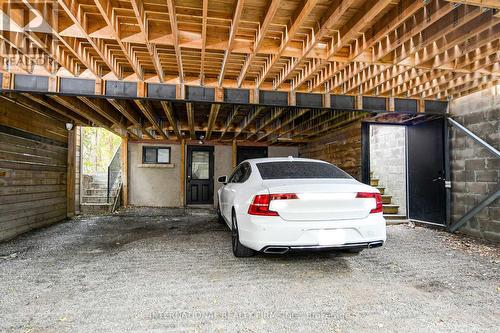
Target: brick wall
x,y
387,161
341,147
474,170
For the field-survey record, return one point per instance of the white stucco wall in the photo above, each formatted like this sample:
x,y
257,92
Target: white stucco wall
x,y
223,159
157,186
154,186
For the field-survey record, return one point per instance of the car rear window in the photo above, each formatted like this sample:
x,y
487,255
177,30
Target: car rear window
x,y
298,170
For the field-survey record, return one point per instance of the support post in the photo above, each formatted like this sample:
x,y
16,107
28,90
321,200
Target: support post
x,y
327,100
183,173
421,106
358,101
124,158
390,104
71,174
235,150
292,98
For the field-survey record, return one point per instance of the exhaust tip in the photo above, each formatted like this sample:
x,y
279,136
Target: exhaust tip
x,y
277,249
375,244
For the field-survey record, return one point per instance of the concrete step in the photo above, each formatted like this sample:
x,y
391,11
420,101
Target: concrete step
x,y
93,191
386,199
95,199
390,209
99,185
394,217
374,182
381,189
94,208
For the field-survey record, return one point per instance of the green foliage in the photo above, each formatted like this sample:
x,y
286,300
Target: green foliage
x,y
98,147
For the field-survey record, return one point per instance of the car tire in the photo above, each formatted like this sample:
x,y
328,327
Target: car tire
x,y
220,218
239,250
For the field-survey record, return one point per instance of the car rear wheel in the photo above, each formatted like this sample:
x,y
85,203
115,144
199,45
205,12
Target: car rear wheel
x,y
220,219
239,250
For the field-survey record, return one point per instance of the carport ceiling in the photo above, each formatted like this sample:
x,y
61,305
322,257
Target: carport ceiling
x,y
407,48
419,51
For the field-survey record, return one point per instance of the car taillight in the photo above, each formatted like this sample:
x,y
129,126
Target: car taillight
x,y
378,200
261,202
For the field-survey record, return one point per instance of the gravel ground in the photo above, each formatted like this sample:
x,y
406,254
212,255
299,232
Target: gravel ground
x,y
162,270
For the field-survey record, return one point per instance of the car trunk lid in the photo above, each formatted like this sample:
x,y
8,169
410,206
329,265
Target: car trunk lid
x,y
320,199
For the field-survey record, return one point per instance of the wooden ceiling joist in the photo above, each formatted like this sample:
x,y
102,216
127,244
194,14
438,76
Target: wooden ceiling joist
x,y
175,37
190,120
169,113
212,118
128,112
259,39
148,111
312,46
76,14
232,34
106,9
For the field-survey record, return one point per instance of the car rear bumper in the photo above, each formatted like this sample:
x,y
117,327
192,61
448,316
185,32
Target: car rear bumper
x,y
300,248
261,233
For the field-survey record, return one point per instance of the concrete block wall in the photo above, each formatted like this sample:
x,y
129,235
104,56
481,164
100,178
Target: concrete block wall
x,y
388,161
474,171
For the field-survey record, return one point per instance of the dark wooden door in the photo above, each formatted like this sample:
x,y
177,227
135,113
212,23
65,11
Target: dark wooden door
x,y
426,172
246,153
200,175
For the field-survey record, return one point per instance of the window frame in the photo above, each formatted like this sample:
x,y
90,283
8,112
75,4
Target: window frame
x,y
156,148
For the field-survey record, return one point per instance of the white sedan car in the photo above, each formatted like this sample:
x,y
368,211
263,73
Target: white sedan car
x,y
276,205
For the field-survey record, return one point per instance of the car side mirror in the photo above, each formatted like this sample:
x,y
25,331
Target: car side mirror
x,y
222,180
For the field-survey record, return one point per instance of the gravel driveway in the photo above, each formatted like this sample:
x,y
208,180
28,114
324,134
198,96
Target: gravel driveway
x,y
163,270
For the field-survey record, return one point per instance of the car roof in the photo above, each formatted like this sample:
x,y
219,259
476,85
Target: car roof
x,y
281,159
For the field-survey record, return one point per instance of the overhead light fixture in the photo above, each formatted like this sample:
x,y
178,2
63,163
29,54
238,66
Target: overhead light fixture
x,y
69,126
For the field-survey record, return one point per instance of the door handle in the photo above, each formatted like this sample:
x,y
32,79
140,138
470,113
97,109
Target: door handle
x,y
438,178
189,178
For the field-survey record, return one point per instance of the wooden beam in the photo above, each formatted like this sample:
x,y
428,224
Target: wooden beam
x,y
83,110
147,109
106,9
175,36
140,15
71,174
182,192
251,116
289,117
124,161
232,34
50,104
331,17
214,111
77,16
126,110
169,113
481,3
234,154
267,120
229,120
203,40
105,109
190,118
259,39
302,14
